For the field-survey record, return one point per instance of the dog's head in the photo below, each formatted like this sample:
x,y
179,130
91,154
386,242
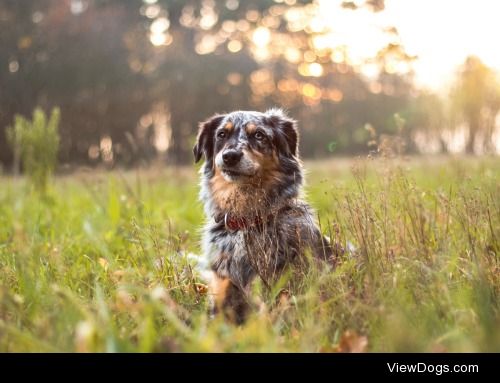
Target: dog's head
x,y
249,147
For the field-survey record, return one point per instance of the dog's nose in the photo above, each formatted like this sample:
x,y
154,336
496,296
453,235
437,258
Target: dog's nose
x,y
231,157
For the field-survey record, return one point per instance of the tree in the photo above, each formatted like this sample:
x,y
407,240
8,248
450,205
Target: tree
x,y
476,101
426,118
113,65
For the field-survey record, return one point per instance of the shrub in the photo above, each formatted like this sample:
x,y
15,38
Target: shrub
x,y
36,143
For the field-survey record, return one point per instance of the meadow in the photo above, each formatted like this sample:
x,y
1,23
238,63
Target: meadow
x,y
106,262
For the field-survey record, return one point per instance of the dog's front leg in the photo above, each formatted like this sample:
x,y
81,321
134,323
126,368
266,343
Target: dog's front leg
x,y
227,298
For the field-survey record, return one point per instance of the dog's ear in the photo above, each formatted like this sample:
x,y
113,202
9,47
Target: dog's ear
x,y
287,135
205,139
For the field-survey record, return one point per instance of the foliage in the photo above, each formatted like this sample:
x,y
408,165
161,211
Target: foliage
x,y
37,141
110,265
112,64
475,100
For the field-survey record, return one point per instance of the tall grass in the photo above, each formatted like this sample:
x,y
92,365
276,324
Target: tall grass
x,y
108,264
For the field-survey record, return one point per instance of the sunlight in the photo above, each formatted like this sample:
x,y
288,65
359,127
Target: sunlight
x,y
13,66
354,37
78,6
207,45
152,11
361,33
313,69
159,39
292,55
261,37
440,43
234,46
162,129
160,25
106,148
444,44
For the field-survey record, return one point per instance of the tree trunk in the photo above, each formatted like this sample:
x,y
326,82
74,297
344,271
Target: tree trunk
x,y
473,129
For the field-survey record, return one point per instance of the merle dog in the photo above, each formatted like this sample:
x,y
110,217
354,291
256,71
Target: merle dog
x,y
256,222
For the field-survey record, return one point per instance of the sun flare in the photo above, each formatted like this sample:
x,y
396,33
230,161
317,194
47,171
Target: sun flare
x,y
440,33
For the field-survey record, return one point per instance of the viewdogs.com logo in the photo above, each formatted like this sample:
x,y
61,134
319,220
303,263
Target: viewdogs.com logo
x,y
437,369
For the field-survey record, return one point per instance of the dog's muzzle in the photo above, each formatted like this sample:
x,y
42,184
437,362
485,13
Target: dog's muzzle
x,y
231,157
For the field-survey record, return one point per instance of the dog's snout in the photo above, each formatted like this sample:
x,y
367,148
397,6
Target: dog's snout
x,y
231,157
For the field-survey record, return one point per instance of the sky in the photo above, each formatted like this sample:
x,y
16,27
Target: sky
x,y
442,33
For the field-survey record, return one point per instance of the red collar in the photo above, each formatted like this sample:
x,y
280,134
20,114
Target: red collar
x,y
233,223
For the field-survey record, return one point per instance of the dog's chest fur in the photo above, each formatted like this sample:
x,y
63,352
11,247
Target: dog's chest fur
x,y
227,253
262,249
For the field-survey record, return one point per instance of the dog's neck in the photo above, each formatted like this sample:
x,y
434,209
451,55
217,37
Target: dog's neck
x,y
248,200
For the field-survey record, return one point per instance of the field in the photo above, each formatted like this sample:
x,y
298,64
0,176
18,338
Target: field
x,y
106,262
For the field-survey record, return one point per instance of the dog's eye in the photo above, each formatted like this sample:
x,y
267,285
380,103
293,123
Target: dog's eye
x,y
259,136
221,134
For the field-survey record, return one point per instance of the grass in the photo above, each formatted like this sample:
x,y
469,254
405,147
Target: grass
x,y
105,262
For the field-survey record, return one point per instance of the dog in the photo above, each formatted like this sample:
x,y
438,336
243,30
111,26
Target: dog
x,y
256,222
